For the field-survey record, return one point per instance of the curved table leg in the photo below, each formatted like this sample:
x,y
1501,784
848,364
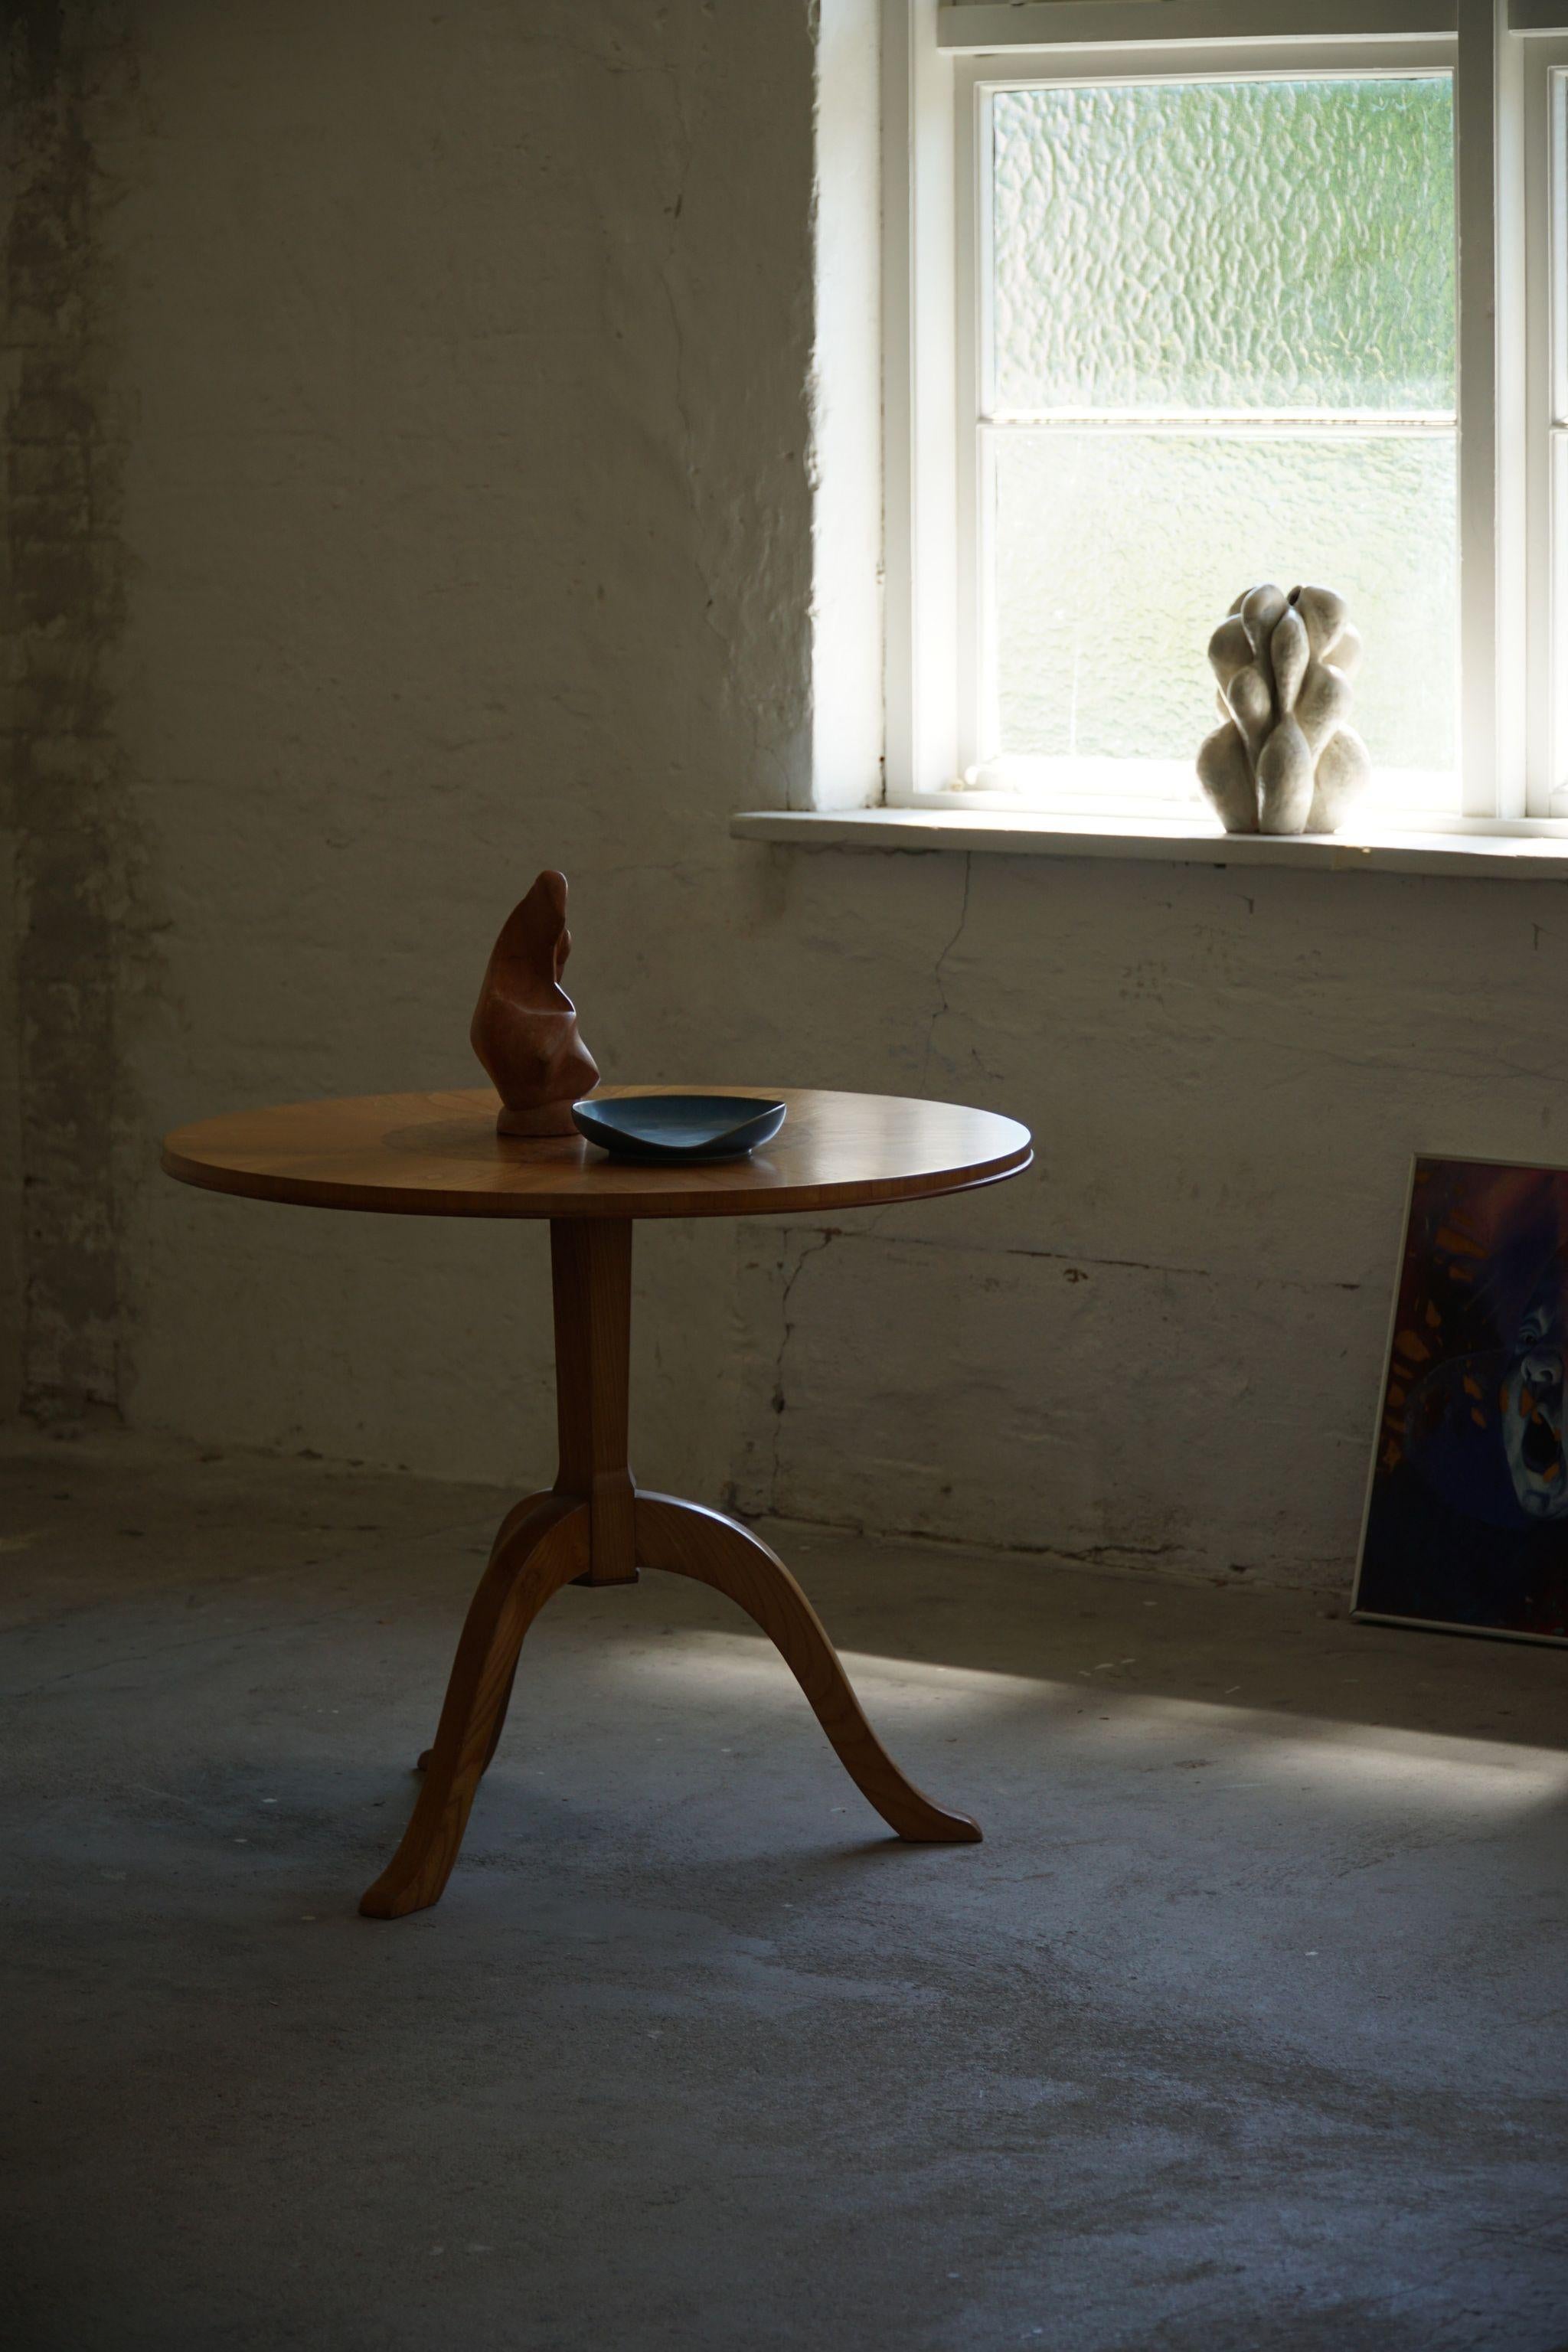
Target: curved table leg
x,y
513,1519
692,1541
535,1555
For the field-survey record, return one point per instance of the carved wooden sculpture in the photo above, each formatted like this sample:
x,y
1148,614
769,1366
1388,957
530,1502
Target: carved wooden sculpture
x,y
525,1024
1284,759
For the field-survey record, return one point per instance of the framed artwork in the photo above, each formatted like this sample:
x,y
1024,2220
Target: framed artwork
x,y
1467,1512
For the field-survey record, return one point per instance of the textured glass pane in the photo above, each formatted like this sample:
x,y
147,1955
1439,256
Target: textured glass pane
x,y
1225,245
1117,556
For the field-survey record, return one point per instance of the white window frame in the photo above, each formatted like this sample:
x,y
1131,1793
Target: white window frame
x,y
1545,96
1507,58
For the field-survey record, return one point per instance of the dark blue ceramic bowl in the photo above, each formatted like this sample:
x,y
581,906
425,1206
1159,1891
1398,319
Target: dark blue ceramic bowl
x,y
680,1126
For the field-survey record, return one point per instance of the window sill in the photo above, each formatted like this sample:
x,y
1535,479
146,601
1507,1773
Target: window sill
x,y
1180,840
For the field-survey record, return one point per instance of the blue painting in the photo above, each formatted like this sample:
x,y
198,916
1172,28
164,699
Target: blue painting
x,y
1466,1521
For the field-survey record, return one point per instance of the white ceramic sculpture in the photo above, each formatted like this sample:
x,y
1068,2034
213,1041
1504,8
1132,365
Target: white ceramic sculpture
x,y
1284,761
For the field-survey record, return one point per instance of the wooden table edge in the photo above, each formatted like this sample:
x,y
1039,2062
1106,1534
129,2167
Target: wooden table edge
x,y
304,1192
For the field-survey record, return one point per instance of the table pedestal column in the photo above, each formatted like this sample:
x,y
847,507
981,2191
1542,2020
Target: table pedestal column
x,y
594,1527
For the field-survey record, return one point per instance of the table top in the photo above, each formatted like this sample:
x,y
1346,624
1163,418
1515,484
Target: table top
x,y
439,1155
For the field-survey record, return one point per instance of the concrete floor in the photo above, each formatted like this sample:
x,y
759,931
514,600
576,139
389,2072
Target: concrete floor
x,y
1245,2027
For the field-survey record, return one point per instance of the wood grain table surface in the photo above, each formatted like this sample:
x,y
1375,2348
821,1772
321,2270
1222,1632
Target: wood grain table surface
x,y
439,1155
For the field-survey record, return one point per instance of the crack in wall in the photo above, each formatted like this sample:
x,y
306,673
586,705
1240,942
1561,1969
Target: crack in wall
x,y
941,1011
1070,1258
811,1250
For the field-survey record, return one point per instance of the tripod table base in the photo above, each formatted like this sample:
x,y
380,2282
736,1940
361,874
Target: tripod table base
x,y
544,1544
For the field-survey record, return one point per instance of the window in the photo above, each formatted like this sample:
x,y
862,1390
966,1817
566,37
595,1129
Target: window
x,y
1217,323
1547,604
1166,320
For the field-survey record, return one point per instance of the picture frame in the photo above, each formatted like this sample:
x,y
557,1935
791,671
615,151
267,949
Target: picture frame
x,y
1465,1527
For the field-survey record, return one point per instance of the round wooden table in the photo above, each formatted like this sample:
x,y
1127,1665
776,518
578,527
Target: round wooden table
x,y
439,1155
